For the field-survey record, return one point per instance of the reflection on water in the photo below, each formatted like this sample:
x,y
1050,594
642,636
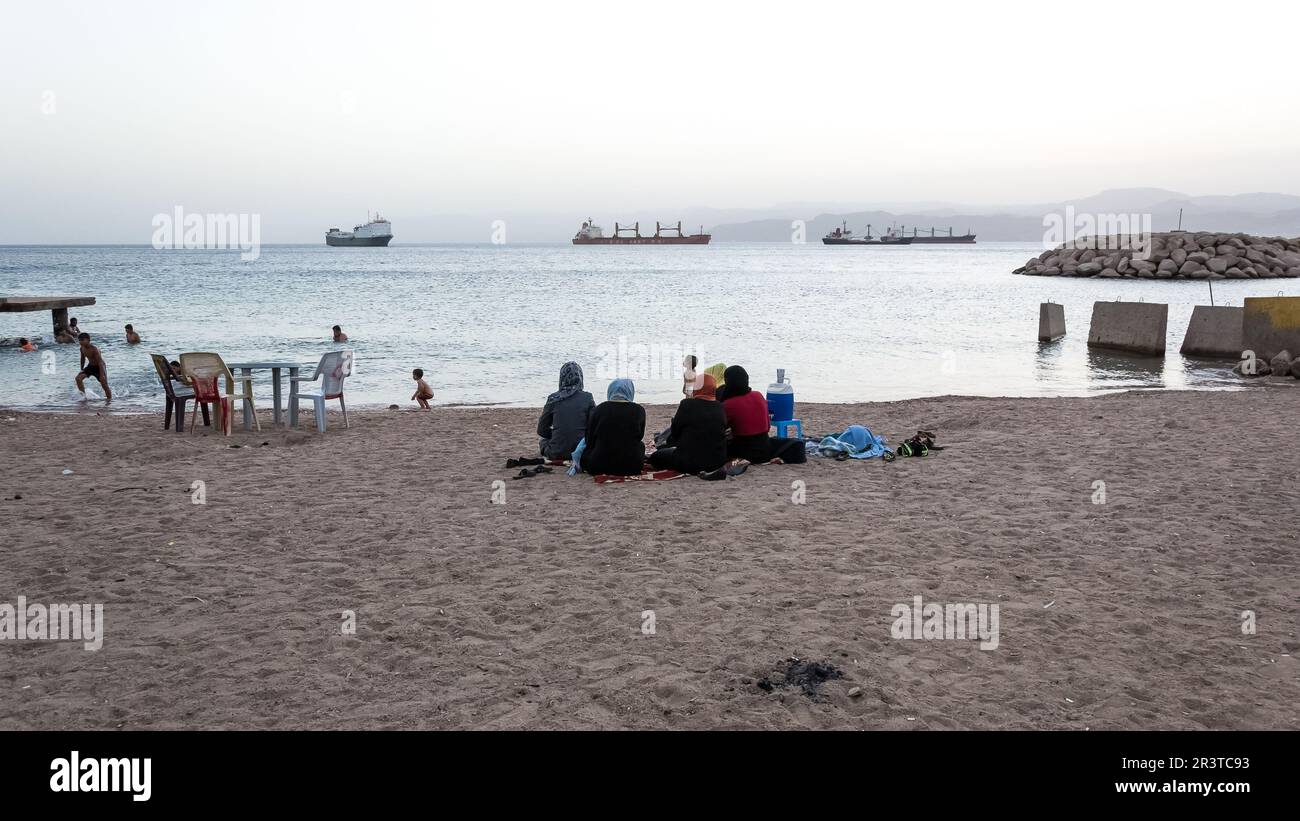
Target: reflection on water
x,y
1049,359
493,324
1206,373
1108,370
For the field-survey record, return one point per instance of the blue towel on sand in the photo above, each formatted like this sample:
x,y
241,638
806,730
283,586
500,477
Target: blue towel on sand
x,y
856,441
576,467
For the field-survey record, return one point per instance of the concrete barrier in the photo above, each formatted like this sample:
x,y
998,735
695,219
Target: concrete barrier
x,y
1138,327
1271,324
1051,321
1214,332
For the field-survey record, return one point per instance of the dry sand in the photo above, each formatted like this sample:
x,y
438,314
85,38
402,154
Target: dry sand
x,y
529,614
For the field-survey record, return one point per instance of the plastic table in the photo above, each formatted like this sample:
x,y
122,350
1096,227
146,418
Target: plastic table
x,y
246,370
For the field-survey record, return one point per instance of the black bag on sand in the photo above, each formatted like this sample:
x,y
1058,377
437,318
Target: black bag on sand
x,y
919,445
789,451
912,447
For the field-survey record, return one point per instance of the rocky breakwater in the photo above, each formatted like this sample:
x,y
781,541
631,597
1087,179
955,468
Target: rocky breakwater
x,y
1281,366
1172,255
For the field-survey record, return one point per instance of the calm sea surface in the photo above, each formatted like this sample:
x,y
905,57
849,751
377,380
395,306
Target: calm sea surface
x,y
493,324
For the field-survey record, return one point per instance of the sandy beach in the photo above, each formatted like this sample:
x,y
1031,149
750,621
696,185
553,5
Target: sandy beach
x,y
1125,614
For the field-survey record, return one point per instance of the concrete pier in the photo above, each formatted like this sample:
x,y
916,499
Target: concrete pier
x,y
1271,325
57,305
1214,332
1137,327
1051,322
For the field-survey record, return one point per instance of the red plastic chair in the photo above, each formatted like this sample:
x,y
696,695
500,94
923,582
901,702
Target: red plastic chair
x,y
205,371
207,392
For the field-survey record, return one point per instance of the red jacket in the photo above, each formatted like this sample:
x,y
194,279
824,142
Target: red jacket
x,y
747,415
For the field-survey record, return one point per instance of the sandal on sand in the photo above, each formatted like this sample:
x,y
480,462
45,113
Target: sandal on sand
x,y
730,469
527,472
928,438
736,468
523,461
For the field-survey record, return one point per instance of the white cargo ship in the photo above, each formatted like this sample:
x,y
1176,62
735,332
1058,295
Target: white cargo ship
x,y
378,231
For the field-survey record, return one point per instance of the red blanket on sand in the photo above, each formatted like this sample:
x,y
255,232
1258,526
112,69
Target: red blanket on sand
x,y
648,474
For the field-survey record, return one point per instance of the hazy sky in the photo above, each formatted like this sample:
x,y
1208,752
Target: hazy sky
x,y
310,113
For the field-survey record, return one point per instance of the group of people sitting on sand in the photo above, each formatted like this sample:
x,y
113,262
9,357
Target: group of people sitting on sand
x,y
720,427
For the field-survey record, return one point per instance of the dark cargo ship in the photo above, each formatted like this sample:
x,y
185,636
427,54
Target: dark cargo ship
x,y
843,236
592,234
935,237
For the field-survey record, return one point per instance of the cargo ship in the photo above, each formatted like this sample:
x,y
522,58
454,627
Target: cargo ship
x,y
935,237
592,234
843,236
376,232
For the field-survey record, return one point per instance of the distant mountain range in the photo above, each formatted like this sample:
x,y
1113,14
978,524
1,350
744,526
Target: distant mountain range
x,y
1261,213
1264,214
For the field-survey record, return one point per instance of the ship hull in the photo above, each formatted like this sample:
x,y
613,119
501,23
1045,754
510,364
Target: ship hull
x,y
835,241
357,242
695,239
968,239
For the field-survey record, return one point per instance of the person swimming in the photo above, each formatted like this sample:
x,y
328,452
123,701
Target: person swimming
x,y
178,373
68,334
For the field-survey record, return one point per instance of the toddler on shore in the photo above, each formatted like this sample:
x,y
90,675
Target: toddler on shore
x,y
423,393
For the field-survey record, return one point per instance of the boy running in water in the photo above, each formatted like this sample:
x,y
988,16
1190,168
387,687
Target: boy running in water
x,y
92,364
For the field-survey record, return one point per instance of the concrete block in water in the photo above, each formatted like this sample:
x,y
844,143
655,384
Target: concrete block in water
x,y
1051,321
1138,327
1215,332
1270,325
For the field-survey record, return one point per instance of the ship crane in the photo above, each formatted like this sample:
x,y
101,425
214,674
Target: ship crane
x,y
636,229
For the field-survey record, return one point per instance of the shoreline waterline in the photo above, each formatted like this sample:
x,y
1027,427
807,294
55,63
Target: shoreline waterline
x,y
264,411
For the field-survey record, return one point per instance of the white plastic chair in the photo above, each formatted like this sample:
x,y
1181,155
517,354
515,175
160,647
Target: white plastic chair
x,y
332,369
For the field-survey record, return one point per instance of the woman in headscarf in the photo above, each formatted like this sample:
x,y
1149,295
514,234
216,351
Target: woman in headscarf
x,y
746,412
748,423
615,432
718,372
697,440
564,418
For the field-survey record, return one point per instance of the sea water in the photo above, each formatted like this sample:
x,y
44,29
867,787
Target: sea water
x,y
492,324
